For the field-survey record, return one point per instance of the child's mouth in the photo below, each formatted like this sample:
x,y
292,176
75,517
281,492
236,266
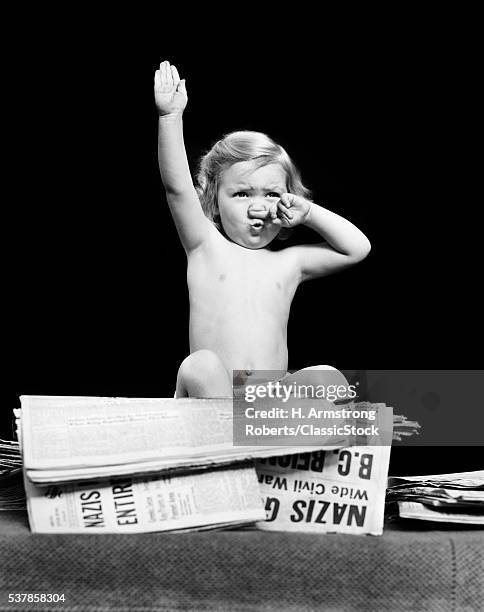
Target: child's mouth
x,y
256,226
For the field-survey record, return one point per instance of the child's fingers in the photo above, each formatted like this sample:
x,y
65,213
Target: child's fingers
x,y
166,76
158,79
273,211
285,210
284,216
169,76
175,76
163,72
287,199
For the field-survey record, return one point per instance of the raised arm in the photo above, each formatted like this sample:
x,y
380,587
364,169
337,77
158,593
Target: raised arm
x,y
344,243
171,99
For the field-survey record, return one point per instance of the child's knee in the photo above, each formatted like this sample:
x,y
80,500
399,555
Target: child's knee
x,y
202,374
320,374
336,377
201,364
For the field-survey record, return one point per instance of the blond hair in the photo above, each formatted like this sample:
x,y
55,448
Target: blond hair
x,y
237,147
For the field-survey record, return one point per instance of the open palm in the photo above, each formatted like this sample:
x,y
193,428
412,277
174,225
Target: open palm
x,y
170,92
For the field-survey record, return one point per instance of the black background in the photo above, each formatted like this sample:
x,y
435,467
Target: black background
x,y
381,122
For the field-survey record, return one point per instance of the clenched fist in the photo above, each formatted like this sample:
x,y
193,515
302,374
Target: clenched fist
x,y
290,210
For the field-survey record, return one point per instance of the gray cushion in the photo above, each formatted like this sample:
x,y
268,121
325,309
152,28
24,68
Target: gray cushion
x,y
411,567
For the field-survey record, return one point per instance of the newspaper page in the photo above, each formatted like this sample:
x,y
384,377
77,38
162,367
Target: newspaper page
x,y
414,510
456,480
71,438
146,504
12,494
443,498
438,496
10,458
339,491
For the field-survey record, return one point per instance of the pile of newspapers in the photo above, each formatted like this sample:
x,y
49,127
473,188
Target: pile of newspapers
x,y
443,498
12,496
10,457
132,465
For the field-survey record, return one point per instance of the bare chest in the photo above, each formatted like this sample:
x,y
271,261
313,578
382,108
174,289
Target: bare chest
x,y
238,276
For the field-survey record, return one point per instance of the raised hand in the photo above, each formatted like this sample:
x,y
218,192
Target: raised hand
x,y
290,210
170,92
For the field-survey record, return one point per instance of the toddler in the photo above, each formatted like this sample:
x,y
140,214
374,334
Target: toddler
x,y
240,290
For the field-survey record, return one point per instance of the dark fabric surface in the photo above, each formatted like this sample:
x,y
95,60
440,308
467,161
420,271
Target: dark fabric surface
x,y
411,567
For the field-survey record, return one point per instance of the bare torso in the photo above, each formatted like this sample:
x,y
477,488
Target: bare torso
x,y
239,304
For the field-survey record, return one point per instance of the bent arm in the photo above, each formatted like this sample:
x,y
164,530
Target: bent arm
x,y
345,244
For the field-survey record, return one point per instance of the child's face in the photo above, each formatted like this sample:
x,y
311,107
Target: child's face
x,y
245,195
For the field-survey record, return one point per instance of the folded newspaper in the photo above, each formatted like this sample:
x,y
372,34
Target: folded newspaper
x,y
80,438
185,502
443,498
338,491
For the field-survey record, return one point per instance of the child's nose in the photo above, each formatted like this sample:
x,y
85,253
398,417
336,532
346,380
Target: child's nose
x,y
257,210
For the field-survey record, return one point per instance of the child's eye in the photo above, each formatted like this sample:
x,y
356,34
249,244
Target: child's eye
x,y
240,194
273,194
